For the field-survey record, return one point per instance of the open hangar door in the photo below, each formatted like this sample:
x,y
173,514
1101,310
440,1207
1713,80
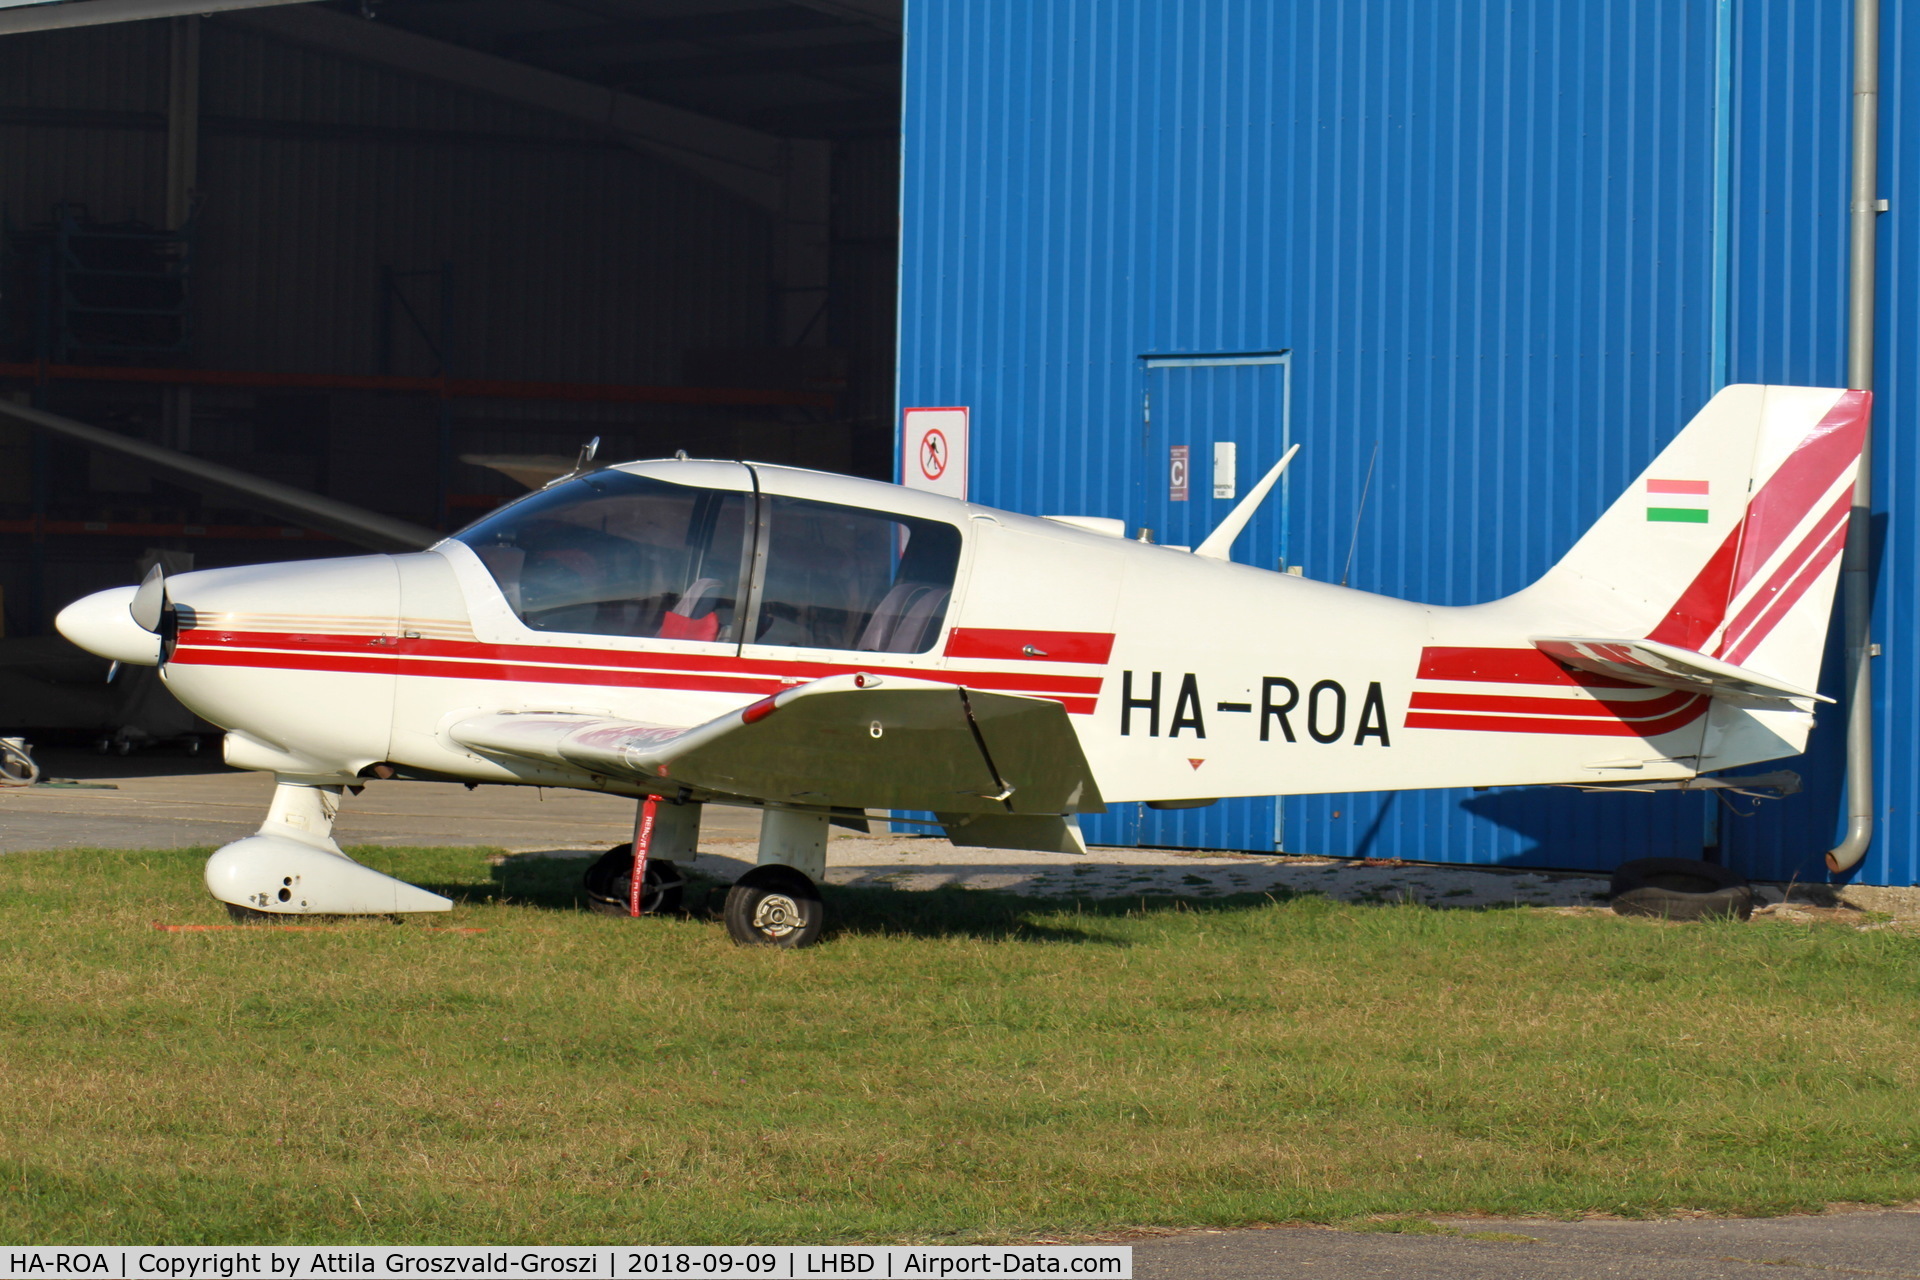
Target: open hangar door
x,y
351,247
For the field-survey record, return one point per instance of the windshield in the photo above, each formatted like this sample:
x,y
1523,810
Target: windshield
x,y
620,555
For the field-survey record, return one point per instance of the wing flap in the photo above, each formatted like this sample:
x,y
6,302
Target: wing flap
x,y
1667,666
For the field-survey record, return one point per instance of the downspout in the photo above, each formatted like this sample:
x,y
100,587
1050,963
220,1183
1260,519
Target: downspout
x,y
1860,312
1720,324
1722,194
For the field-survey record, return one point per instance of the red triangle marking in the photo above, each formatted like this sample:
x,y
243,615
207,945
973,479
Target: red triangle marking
x,y
1195,763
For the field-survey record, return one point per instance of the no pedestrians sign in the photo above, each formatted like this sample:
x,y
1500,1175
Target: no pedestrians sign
x,y
933,450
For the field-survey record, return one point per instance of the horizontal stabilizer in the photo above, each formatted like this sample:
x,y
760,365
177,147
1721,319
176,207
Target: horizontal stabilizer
x,y
852,742
1666,666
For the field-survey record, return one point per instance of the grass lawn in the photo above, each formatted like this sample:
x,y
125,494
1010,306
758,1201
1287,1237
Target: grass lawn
x,y
949,1067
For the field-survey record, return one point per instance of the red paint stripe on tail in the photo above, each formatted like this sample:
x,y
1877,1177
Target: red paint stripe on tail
x,y
1783,604
1697,613
1783,502
1758,606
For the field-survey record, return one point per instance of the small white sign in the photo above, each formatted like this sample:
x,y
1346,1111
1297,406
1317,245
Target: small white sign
x,y
1177,473
933,450
1226,469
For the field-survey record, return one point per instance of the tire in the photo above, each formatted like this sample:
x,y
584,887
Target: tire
x,y
774,906
1681,889
17,768
608,879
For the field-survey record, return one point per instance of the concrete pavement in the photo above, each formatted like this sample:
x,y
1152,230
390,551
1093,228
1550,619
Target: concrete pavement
x,y
1875,1243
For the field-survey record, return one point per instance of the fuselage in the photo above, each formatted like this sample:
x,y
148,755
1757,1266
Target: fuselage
x,y
1185,678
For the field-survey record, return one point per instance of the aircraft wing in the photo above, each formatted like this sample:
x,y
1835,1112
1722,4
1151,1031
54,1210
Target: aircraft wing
x,y
859,742
1667,666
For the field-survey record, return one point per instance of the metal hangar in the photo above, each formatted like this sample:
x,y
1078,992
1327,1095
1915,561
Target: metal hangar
x,y
1480,260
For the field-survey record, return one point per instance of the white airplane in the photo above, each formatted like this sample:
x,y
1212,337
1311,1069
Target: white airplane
x,y
697,632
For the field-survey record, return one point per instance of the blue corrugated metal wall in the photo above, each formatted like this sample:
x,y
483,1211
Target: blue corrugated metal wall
x,y
1791,176
1483,233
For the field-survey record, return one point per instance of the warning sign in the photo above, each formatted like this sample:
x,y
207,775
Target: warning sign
x,y
1177,473
933,450
934,454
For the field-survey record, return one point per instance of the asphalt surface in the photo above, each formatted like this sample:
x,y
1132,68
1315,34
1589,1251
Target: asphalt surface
x,y
164,800
1885,1243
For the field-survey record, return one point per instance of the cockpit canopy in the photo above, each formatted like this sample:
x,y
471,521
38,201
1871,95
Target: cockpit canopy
x,y
619,554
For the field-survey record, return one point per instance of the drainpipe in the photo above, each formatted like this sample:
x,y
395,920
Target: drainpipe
x,y
1860,310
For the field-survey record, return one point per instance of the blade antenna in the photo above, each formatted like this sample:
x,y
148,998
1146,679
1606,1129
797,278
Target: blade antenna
x,y
1219,543
1359,511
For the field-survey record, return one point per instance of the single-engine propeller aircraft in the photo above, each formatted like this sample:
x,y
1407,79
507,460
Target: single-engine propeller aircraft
x,y
697,632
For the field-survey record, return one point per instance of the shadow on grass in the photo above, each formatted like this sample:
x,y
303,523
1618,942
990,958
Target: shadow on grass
x,y
997,916
553,884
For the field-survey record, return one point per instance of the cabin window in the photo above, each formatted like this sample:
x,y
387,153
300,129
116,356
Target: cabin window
x,y
615,554
845,578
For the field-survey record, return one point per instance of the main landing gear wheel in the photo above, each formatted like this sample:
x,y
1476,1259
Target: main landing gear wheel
x,y
610,877
774,906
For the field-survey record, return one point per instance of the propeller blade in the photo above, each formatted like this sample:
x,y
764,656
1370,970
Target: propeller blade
x,y
309,510
149,604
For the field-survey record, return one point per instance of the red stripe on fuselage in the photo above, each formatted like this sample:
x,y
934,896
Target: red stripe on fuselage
x,y
1630,709
1508,666
472,660
1689,711
651,660
1093,647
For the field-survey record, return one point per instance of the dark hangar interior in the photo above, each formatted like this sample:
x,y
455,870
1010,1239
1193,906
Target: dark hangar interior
x,y
353,247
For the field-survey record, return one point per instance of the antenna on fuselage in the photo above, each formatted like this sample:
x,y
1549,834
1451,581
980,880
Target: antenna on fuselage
x,y
580,464
1359,511
1219,543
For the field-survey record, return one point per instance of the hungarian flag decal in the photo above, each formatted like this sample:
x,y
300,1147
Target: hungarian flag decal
x,y
1674,513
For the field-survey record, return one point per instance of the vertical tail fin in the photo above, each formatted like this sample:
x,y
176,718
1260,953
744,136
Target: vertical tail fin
x,y
1729,544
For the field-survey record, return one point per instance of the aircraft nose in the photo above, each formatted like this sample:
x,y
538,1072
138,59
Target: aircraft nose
x,y
102,623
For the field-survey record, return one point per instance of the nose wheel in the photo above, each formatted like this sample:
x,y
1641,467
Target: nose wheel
x,y
774,906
